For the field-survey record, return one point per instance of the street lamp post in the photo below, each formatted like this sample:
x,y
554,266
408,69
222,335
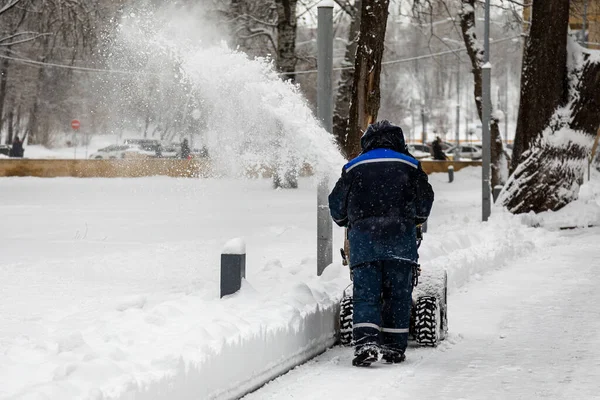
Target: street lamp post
x,y
325,115
457,150
424,125
486,139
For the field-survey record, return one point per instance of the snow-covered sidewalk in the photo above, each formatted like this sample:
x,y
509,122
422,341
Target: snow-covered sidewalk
x,y
526,331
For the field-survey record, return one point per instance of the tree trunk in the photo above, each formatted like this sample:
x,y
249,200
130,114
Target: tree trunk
x,y
3,82
10,126
558,115
344,93
544,75
286,38
366,93
499,159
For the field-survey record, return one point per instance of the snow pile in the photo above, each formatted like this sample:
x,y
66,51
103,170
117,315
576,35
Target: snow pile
x,y
185,348
581,213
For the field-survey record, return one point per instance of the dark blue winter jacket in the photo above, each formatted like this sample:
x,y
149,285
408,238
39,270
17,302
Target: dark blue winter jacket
x,y
381,196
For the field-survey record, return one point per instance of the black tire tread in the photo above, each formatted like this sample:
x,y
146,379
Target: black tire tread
x,y
425,321
346,311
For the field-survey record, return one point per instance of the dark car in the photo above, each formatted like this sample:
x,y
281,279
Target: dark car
x,y
421,147
5,149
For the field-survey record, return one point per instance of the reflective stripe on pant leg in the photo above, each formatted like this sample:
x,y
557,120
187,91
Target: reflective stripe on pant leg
x,y
397,300
367,303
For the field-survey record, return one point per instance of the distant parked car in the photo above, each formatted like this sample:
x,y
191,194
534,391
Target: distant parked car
x,y
5,149
145,144
114,151
418,154
471,152
421,147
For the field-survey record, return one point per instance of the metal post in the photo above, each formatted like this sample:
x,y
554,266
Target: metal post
x,y
584,24
486,139
451,174
457,152
74,146
233,266
325,115
424,126
506,106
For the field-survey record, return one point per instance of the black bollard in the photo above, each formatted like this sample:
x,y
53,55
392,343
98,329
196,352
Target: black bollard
x,y
233,266
451,174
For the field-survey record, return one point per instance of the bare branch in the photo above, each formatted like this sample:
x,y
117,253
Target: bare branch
x,y
9,6
346,7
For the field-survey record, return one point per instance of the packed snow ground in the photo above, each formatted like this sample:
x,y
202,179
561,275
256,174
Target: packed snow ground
x,y
527,328
526,331
110,288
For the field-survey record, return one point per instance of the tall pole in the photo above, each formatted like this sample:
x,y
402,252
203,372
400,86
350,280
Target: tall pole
x,y
487,108
325,115
424,125
584,24
457,152
506,105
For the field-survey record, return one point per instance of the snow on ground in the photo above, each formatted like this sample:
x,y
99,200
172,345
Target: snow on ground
x,y
527,328
110,288
107,283
526,331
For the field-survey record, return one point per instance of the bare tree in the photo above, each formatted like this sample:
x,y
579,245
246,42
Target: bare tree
x,y
366,93
476,53
344,91
286,38
558,115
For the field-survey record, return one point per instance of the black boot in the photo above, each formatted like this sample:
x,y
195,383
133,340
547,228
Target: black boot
x,y
393,356
365,355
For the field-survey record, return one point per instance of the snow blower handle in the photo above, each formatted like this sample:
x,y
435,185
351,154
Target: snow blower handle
x,y
417,267
419,235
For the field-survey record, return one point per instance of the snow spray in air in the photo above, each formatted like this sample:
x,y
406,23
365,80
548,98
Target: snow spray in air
x,y
239,108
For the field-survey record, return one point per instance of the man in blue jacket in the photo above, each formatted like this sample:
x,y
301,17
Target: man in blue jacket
x,y
382,195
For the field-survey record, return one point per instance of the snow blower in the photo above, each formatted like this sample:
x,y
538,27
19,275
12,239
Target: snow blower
x,y
429,311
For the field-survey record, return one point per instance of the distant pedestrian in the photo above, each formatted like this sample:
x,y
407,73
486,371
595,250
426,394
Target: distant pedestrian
x,y
185,150
438,153
17,148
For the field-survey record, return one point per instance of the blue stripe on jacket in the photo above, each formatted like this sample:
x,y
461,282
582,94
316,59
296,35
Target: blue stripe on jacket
x,y
381,155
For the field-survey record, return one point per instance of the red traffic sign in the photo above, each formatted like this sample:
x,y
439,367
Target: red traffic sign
x,y
75,124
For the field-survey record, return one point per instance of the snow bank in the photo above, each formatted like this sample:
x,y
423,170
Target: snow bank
x,y
581,213
188,347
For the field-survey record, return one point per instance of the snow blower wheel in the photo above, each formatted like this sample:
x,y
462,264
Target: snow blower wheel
x,y
428,321
346,311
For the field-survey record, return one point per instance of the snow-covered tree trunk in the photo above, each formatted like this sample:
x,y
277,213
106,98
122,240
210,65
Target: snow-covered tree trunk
x,y
558,114
476,53
366,94
286,38
344,92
